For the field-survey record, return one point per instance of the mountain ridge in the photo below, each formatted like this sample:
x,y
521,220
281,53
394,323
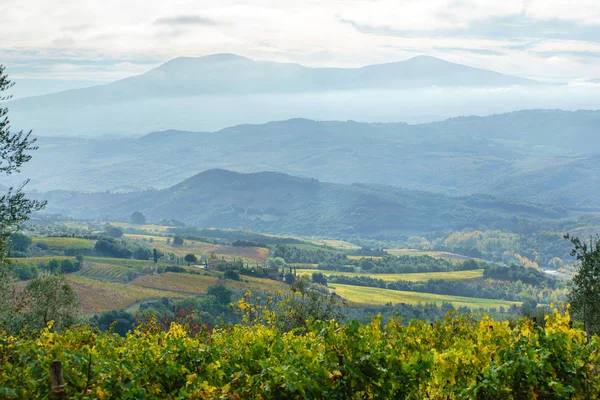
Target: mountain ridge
x,y
538,155
275,202
180,66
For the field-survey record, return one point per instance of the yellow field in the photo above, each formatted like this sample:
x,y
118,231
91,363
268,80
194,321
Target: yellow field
x,y
303,266
35,260
96,296
358,295
361,257
147,228
62,243
199,284
414,277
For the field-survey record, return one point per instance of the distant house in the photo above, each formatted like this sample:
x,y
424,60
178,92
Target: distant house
x,y
274,274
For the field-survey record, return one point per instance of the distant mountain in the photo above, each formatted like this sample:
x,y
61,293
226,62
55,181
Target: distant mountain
x,y
229,73
547,156
224,89
280,203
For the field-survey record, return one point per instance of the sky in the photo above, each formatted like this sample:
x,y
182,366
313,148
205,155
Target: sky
x,y
52,44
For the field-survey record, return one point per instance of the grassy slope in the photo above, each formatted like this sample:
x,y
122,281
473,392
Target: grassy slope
x,y
56,243
97,296
357,295
248,254
199,284
414,277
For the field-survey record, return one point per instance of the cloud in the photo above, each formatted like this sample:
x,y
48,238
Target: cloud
x,y
185,20
511,36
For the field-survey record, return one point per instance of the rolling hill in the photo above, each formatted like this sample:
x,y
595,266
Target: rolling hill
x,y
537,155
284,204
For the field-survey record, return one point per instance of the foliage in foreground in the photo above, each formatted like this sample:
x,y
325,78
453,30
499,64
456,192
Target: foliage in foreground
x,y
456,358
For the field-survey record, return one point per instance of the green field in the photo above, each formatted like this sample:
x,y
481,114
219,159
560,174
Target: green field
x,y
361,296
414,277
336,244
59,243
146,228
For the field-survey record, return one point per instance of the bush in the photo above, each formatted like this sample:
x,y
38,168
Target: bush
x,y
176,269
114,232
232,274
26,272
67,266
142,253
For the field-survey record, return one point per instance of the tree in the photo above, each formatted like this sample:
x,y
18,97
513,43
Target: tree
x,y
221,293
231,274
276,262
79,257
67,266
19,242
49,297
138,218
177,241
121,321
112,247
584,295
142,253
54,266
318,277
190,258
155,255
114,232
15,208
290,278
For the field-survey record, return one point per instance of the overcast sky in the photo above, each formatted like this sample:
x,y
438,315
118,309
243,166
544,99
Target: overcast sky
x,y
91,40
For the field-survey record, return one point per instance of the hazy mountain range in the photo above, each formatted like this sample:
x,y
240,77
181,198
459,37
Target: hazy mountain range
x,y
222,90
546,156
280,203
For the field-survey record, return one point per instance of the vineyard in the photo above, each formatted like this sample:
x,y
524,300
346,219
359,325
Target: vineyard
x,y
458,358
199,284
107,271
97,296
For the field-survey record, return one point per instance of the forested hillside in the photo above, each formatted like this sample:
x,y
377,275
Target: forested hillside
x,y
279,203
539,155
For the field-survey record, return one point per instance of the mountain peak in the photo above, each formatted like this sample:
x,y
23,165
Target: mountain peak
x,y
211,59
